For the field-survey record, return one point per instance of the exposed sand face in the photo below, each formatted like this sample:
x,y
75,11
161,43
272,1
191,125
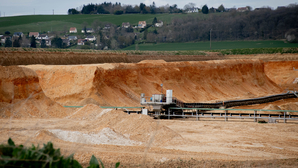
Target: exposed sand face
x,y
122,84
283,73
22,96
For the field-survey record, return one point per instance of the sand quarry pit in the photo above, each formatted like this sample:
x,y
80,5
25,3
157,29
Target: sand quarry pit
x,y
32,99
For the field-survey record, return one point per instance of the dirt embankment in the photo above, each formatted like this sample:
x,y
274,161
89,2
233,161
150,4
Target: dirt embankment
x,y
121,84
22,96
8,58
283,73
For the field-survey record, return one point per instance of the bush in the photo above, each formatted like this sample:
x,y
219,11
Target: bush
x,y
119,12
20,156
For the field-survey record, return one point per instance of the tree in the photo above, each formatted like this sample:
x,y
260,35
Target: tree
x,y
72,11
154,21
57,42
189,5
33,42
205,9
143,8
221,8
43,43
145,34
16,43
8,42
7,33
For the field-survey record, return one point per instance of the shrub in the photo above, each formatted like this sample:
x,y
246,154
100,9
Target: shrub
x,y
20,156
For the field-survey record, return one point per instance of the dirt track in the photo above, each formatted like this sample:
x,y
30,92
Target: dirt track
x,y
31,112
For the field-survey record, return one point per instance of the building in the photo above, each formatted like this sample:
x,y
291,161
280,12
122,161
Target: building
x,y
82,41
242,9
66,41
88,30
35,34
159,24
90,38
73,30
72,38
142,24
42,37
192,10
18,34
125,24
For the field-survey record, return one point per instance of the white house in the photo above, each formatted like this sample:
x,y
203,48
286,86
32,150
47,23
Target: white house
x,y
142,24
42,37
90,38
18,34
192,10
159,24
88,30
73,30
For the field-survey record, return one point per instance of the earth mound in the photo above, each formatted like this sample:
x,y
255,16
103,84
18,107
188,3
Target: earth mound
x,y
22,96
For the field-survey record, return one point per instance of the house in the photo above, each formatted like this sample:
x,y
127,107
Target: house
x,y
159,24
66,41
18,34
142,24
42,37
73,30
35,34
90,38
82,41
3,39
48,42
242,9
125,25
88,30
107,26
72,38
230,9
192,10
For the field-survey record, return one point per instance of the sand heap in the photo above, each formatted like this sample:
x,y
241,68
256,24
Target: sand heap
x,y
108,126
283,73
121,84
22,96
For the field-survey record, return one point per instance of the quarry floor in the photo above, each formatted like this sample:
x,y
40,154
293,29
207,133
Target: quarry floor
x,y
136,140
239,142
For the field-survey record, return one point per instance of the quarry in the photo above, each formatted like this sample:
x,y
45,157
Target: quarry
x,y
75,107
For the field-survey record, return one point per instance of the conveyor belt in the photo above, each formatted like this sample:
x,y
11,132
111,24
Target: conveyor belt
x,y
232,103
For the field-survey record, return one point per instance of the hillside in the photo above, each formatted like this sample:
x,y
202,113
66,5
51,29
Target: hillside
x,y
44,23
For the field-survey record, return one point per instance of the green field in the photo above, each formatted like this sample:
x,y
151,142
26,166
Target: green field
x,y
215,45
44,23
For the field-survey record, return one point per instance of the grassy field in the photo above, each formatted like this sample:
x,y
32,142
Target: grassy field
x,y
215,45
44,23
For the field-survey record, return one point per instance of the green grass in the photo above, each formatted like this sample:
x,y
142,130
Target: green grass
x,y
44,23
222,45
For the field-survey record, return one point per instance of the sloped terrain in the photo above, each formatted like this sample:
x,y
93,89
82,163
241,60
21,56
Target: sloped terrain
x,y
121,84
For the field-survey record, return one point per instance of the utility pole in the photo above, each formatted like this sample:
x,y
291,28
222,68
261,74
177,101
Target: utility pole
x,y
210,38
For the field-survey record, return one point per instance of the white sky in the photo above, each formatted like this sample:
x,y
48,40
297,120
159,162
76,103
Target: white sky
x,y
28,7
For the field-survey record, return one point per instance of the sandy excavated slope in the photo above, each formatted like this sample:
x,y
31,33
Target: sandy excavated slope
x,y
283,73
22,96
122,84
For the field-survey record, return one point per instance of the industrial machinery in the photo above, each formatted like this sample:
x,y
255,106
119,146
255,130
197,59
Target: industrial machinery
x,y
160,102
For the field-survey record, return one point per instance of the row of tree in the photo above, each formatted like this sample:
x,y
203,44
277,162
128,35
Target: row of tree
x,y
117,8
254,25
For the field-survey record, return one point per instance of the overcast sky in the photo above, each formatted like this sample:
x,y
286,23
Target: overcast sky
x,y
28,7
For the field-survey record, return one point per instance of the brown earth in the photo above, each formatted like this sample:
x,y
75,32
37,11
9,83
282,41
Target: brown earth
x,y
122,84
138,140
21,95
